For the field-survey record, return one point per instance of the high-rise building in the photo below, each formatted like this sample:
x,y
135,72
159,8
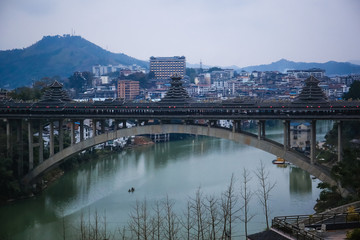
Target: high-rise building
x,y
165,67
128,89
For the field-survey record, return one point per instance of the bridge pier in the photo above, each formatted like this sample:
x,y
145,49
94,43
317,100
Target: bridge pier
x,y
52,138
340,143
286,134
31,147
19,142
313,142
81,130
261,129
94,127
41,143
102,122
124,124
61,135
116,124
236,126
72,132
8,138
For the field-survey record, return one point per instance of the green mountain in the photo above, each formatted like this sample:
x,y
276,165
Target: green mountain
x,y
55,56
331,68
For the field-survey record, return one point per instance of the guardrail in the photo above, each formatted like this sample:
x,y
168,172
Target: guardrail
x,y
305,227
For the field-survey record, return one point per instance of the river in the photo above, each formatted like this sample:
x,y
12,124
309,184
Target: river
x,y
175,169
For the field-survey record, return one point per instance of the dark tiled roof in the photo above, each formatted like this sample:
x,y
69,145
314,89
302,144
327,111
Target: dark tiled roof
x,y
267,235
177,94
311,92
55,93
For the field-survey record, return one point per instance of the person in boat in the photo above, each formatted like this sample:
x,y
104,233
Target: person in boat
x,y
132,189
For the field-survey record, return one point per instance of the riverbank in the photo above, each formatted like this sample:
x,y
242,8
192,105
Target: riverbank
x,y
74,162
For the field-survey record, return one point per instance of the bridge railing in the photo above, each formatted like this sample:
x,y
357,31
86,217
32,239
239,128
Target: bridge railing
x,y
310,226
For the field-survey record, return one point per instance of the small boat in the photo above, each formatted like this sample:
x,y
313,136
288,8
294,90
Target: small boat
x,y
279,160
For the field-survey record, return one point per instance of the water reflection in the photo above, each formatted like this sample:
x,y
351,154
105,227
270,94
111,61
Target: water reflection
x,y
174,168
300,181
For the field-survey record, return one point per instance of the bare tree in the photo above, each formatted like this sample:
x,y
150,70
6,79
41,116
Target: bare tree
x,y
264,191
171,223
230,209
212,208
157,220
198,212
140,221
246,195
187,222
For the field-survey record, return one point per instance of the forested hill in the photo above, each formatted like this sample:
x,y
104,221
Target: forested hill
x,y
331,67
55,56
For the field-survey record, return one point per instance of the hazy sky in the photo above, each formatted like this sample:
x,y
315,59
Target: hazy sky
x,y
219,32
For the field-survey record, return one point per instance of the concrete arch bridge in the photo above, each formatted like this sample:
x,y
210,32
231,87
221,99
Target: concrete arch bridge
x,y
249,139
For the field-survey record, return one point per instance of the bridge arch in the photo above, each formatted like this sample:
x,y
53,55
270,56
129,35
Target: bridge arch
x,y
249,139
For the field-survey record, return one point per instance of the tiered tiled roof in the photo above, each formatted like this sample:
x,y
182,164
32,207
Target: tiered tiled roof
x,y
311,92
177,94
55,93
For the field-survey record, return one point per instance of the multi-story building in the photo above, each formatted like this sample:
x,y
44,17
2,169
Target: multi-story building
x,y
128,89
315,72
165,67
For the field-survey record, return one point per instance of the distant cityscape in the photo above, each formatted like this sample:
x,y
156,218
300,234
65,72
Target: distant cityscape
x,y
208,84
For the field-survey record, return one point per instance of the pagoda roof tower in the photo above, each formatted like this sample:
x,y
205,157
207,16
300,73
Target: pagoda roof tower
x,y
311,92
177,94
55,93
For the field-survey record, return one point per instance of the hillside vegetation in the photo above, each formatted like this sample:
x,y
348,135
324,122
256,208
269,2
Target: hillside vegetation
x,y
55,56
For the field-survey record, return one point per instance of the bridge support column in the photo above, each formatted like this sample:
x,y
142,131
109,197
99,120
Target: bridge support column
x,y
81,130
52,140
116,124
236,126
102,126
94,127
313,142
124,123
41,143
286,134
340,143
8,138
19,142
31,147
61,135
72,132
261,129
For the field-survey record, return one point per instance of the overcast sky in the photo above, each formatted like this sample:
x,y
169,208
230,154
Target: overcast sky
x,y
219,32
